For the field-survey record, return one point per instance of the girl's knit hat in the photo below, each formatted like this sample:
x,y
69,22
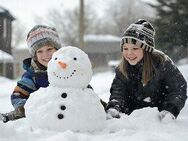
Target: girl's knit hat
x,y
140,33
39,35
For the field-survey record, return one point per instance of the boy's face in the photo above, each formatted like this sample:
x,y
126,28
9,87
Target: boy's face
x,y
44,54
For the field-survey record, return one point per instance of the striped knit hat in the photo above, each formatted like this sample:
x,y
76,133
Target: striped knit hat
x,y
39,35
141,34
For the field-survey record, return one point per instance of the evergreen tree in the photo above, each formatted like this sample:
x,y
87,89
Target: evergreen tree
x,y
172,27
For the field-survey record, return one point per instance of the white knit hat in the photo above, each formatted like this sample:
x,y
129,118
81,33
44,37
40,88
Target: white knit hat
x,y
39,35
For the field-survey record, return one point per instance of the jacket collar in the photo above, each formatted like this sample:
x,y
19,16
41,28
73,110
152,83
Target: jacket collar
x,y
31,65
138,66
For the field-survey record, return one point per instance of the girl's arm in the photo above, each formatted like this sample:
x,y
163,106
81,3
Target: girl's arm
x,y
176,86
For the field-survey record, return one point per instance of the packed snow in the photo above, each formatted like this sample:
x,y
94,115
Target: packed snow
x,y
141,125
5,56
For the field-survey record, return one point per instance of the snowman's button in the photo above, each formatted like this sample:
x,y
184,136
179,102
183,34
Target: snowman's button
x,y
63,107
60,116
64,95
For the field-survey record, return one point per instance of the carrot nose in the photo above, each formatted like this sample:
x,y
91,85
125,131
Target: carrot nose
x,y
62,64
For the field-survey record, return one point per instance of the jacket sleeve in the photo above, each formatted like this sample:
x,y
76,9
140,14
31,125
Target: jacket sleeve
x,y
21,93
117,90
176,88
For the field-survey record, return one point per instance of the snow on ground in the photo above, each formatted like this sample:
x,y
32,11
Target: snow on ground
x,y
141,125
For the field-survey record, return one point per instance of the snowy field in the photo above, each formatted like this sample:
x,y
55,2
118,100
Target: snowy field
x,y
141,125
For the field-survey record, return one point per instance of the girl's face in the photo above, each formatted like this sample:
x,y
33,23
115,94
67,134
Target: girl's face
x,y
132,53
44,54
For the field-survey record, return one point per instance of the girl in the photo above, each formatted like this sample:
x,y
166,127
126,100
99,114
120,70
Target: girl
x,y
145,77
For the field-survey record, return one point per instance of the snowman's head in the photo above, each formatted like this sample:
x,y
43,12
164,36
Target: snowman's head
x,y
69,67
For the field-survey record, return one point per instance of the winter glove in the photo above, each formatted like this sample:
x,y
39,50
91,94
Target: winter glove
x,y
4,118
166,116
113,109
18,113
112,113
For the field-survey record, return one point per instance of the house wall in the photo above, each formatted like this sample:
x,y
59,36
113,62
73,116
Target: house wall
x,y
100,53
100,60
6,66
19,55
7,69
102,47
5,34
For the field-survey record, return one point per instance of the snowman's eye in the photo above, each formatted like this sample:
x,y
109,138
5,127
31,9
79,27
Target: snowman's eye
x,y
55,58
75,58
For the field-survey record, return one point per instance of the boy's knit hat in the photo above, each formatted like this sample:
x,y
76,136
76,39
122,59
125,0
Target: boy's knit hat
x,y
140,33
39,35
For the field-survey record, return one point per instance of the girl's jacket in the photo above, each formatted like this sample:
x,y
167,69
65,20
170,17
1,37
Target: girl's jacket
x,y
166,90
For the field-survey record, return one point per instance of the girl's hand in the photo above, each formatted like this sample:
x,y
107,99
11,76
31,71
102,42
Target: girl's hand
x,y
166,116
112,113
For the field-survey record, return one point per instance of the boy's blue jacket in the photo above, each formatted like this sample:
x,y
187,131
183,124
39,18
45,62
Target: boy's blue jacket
x,y
33,78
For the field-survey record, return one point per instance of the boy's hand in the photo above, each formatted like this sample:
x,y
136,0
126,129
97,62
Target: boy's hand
x,y
4,118
18,113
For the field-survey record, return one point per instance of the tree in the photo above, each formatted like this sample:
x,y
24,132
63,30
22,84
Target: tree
x,y
117,16
66,22
122,13
172,27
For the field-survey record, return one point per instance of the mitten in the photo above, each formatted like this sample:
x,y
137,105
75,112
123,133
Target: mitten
x,y
112,113
4,118
166,116
18,113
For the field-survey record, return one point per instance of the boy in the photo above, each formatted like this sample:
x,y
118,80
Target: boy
x,y
42,42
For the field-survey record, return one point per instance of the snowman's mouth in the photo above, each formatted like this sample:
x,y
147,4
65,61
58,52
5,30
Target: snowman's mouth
x,y
65,77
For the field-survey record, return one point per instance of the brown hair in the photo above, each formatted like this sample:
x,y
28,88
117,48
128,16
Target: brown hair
x,y
148,65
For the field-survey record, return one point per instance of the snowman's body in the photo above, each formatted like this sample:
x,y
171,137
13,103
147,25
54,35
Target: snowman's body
x,y
67,103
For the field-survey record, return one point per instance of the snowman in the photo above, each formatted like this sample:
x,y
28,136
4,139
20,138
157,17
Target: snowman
x,y
67,103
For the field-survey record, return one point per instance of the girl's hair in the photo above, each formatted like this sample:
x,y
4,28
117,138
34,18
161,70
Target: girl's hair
x,y
148,65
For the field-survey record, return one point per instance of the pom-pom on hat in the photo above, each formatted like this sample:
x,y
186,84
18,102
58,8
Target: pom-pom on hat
x,y
140,33
39,36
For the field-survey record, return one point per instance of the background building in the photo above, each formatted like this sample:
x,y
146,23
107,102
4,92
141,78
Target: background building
x,y
6,60
102,49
